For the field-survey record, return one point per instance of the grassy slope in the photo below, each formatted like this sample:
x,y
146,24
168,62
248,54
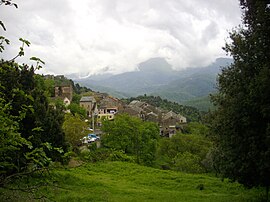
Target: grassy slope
x,y
119,181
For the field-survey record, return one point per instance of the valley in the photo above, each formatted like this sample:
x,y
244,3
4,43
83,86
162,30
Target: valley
x,y
156,77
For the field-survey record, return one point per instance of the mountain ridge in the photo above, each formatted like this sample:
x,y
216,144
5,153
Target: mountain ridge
x,y
156,77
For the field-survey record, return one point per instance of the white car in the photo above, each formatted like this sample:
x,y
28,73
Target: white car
x,y
90,138
93,137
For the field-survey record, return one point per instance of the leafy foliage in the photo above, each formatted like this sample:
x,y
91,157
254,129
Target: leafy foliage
x,y
75,128
6,3
77,109
240,125
186,152
10,139
132,136
31,133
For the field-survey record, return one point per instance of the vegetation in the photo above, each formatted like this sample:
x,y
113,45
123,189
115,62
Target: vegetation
x,y
241,122
75,128
31,135
31,129
202,103
130,139
121,181
186,152
36,134
132,136
191,113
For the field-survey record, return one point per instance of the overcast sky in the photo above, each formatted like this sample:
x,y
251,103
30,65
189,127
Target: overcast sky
x,y
93,36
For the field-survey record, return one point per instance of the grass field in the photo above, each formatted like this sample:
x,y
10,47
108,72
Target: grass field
x,y
120,181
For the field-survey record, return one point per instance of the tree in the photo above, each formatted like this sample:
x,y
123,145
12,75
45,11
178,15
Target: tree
x,y
132,136
31,127
77,109
76,98
75,129
191,147
7,3
241,123
10,139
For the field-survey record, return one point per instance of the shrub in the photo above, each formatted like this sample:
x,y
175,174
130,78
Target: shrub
x,y
187,162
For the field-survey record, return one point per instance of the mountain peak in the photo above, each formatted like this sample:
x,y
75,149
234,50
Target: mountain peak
x,y
155,64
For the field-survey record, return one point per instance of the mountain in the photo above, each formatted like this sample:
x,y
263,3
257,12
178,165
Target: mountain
x,y
156,77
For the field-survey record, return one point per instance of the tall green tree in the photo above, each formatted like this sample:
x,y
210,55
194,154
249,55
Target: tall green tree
x,y
132,136
75,128
241,123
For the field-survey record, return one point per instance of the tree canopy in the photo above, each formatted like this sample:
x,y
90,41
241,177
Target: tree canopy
x,y
132,136
241,123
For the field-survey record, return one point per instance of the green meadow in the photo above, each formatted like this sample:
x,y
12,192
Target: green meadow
x,y
121,181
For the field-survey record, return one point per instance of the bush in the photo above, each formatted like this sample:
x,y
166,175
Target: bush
x,y
187,162
94,154
120,156
185,152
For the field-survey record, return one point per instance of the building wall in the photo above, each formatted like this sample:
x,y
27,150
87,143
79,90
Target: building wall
x,y
88,106
101,117
63,91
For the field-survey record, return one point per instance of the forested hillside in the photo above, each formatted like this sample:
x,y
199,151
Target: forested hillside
x,y
156,77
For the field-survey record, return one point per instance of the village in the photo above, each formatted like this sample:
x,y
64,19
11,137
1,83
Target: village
x,y
100,106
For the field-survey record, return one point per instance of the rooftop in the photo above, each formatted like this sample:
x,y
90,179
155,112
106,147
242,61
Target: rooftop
x,y
88,99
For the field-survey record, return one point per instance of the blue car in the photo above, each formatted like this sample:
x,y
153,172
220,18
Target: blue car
x,y
93,137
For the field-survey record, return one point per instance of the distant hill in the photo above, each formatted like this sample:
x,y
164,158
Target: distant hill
x,y
156,77
201,103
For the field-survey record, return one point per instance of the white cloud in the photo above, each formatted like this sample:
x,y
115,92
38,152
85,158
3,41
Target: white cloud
x,y
93,35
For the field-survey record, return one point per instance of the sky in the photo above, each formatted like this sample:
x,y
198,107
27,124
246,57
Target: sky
x,y
114,36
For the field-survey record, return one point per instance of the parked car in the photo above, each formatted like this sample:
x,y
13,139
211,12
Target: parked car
x,y
93,137
90,138
85,140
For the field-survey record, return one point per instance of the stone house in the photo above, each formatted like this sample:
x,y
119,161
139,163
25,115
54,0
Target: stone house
x,y
172,118
89,104
133,111
107,108
64,92
151,116
171,123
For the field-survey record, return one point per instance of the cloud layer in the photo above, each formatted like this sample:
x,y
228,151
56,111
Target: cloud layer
x,y
92,36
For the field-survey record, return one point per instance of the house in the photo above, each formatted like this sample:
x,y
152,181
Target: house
x,y
151,116
137,103
63,91
89,104
171,123
107,110
111,102
172,118
102,117
133,111
108,107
